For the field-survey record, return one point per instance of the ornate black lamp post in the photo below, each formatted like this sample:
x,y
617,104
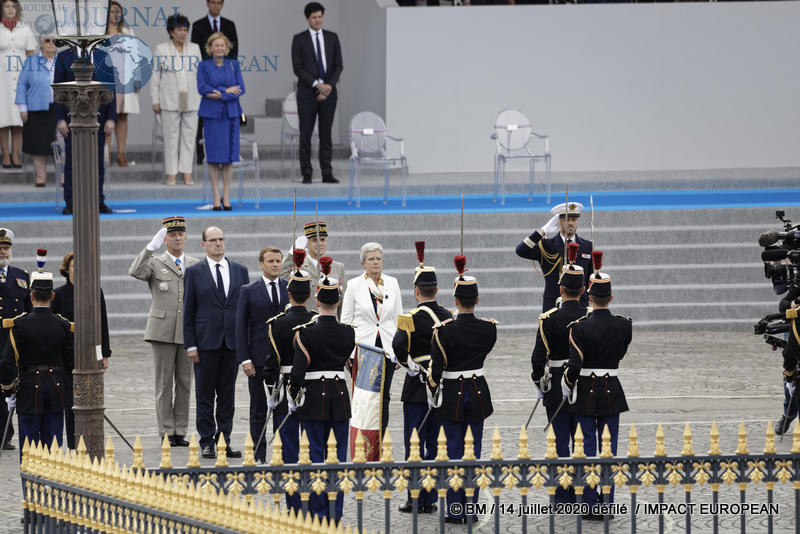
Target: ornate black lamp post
x,y
82,24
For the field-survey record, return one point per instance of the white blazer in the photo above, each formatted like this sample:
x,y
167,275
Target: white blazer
x,y
174,72
357,310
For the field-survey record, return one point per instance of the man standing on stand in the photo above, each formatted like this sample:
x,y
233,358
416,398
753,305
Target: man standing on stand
x,y
211,294
164,331
317,63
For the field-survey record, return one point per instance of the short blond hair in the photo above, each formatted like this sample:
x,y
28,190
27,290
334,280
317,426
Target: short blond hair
x,y
214,37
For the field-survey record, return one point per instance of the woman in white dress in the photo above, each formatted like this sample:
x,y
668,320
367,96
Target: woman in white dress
x,y
127,103
16,43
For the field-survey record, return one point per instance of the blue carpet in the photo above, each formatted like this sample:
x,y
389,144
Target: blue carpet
x,y
603,201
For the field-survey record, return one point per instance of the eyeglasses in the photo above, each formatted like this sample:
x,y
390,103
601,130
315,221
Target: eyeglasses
x,y
215,240
48,40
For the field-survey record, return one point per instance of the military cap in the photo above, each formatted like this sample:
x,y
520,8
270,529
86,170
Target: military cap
x,y
6,236
174,223
423,276
329,288
310,229
599,283
42,281
571,274
465,286
573,209
299,280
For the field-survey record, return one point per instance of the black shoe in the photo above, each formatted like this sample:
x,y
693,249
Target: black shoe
x,y
407,508
8,446
227,208
429,509
783,425
217,208
456,520
177,440
105,209
67,209
233,453
306,179
329,180
593,517
208,452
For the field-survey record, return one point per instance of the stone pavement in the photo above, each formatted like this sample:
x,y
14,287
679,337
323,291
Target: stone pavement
x,y
669,377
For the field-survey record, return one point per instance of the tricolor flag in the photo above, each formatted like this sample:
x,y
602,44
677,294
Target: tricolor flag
x,y
369,371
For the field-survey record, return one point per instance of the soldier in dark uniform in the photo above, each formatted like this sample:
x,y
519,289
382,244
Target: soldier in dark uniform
x,y
598,342
280,355
412,347
458,350
546,245
13,301
40,353
322,348
551,354
791,359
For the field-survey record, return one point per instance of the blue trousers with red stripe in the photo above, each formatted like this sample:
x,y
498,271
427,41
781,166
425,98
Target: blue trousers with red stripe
x,y
317,432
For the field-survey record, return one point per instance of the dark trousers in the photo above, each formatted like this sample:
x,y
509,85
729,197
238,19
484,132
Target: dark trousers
x,y
290,439
789,407
258,411
563,427
101,144
413,414
4,420
455,432
215,378
308,110
41,426
592,428
318,432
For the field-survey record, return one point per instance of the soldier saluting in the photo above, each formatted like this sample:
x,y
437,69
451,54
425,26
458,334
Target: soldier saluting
x,y
598,342
322,348
35,364
547,246
458,351
412,347
551,354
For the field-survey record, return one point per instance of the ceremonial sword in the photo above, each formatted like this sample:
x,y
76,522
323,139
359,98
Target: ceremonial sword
x,y
591,205
532,412
275,398
5,430
128,443
550,422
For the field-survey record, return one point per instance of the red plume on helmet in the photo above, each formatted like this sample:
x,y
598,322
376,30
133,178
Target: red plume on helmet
x,y
461,265
41,252
572,252
597,262
420,245
298,256
325,263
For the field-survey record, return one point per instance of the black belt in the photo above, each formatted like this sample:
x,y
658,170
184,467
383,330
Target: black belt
x,y
48,368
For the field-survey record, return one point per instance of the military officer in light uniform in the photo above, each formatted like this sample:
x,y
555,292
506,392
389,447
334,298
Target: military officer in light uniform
x,y
40,354
458,351
546,246
164,331
551,354
322,348
412,347
598,342
13,301
315,249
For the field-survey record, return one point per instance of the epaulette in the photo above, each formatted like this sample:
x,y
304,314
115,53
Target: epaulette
x,y
275,317
625,317
791,313
71,324
490,320
548,313
579,319
441,323
312,321
9,323
405,321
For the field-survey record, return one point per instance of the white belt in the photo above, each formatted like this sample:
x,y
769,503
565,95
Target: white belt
x,y
318,375
286,369
558,363
454,375
419,359
599,372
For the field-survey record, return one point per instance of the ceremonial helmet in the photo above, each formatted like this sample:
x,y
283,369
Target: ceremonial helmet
x,y
465,286
423,276
599,283
329,288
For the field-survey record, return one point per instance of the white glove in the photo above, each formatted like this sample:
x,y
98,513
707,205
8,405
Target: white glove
x,y
552,227
157,240
565,391
539,394
392,358
790,386
431,404
413,367
301,242
11,401
292,405
271,403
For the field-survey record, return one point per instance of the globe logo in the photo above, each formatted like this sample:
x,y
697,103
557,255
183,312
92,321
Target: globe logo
x,y
128,64
44,24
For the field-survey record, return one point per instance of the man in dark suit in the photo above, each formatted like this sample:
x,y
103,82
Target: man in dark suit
x,y
202,29
317,63
258,302
108,116
546,245
211,293
13,301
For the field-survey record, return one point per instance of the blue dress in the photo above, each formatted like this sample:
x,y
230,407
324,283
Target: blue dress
x,y
220,117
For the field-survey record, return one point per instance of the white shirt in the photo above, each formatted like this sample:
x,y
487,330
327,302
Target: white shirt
x,y
224,270
183,263
267,282
219,22
322,49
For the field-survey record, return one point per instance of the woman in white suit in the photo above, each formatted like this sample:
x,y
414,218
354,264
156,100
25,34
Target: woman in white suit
x,y
175,97
371,304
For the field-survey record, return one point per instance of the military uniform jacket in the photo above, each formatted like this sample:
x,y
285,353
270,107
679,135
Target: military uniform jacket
x,y
44,343
791,352
280,346
598,341
165,321
13,298
322,345
337,271
550,255
552,343
413,338
462,344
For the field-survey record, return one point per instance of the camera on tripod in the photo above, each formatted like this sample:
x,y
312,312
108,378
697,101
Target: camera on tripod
x,y
778,248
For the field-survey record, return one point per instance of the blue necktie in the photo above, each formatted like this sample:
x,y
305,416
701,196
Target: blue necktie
x,y
319,60
178,264
220,284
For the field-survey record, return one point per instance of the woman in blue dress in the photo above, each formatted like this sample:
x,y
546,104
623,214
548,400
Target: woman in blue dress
x,y
219,81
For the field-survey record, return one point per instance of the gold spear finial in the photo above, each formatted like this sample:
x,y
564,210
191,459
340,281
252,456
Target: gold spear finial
x,y
305,455
277,450
386,448
109,450
469,445
551,443
138,458
577,449
661,448
688,449
441,446
413,449
633,443
166,458
796,438
605,451
741,447
330,457
497,448
222,452
249,451
769,444
194,450
714,449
